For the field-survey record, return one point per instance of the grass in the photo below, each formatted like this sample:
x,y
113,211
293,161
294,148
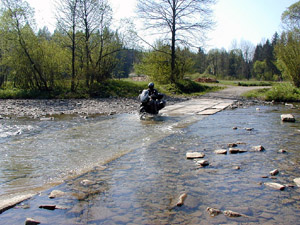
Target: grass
x,y
281,92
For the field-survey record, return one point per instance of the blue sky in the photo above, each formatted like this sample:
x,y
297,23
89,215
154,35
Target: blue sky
x,y
236,20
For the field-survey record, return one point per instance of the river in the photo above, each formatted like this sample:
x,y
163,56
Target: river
x,y
138,168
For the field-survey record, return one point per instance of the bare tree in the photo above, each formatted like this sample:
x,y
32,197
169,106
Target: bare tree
x,y
181,20
67,19
94,16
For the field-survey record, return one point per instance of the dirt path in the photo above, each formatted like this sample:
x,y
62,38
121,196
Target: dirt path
x,y
232,92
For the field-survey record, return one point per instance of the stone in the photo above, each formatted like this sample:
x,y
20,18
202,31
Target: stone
x,y
237,168
275,186
234,128
194,155
281,151
56,194
10,203
288,118
297,181
231,145
230,213
181,199
236,151
213,212
202,163
86,182
249,129
30,221
221,151
274,172
258,148
49,207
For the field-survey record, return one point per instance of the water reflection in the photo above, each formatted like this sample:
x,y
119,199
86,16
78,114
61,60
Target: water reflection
x,y
143,186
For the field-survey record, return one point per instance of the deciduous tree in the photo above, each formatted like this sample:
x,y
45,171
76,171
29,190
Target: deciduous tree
x,y
181,20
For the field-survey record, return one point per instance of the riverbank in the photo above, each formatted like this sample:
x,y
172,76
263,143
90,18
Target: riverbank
x,y
40,108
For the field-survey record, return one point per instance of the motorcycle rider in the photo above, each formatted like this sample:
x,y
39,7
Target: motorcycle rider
x,y
153,94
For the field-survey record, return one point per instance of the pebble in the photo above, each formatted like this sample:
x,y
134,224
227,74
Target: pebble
x,y
221,151
258,148
213,212
274,172
236,150
181,199
30,221
202,163
282,151
297,181
194,155
56,194
230,213
231,145
275,186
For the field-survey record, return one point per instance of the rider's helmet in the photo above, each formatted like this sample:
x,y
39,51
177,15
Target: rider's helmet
x,y
151,85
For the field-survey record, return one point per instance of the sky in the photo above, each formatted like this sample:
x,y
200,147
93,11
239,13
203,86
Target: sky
x,y
253,21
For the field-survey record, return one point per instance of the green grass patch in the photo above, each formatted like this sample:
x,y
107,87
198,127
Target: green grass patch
x,y
283,92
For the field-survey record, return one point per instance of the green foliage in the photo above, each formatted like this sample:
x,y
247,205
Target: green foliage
x,y
187,87
288,56
254,83
283,92
117,88
157,65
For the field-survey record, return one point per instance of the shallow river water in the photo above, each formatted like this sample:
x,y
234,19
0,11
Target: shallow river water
x,y
133,172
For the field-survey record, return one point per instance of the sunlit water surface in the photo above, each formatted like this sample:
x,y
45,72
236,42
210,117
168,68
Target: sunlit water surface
x,y
138,168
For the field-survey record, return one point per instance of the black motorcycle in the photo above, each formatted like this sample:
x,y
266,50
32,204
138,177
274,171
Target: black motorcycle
x,y
151,104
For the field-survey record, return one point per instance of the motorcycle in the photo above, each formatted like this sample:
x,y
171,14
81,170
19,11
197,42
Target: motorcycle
x,y
150,104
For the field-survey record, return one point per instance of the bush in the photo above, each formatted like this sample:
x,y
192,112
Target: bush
x,y
284,92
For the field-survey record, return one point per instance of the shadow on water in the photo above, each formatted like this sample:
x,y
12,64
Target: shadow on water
x,y
143,186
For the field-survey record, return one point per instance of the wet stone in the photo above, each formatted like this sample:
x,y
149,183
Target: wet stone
x,y
194,155
231,145
275,186
221,151
288,118
230,213
282,151
213,212
236,151
56,194
258,148
297,181
274,172
30,221
202,163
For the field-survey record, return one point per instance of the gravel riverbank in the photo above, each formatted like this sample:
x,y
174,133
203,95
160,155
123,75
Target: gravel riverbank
x,y
36,108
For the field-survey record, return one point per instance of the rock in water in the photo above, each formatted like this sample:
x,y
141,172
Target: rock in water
x,y
56,194
213,212
194,155
288,118
259,148
236,151
221,151
181,199
230,213
202,163
275,186
30,221
274,172
297,181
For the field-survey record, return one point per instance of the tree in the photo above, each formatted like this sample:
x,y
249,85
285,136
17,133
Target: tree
x,y
22,46
182,20
67,20
288,56
291,17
